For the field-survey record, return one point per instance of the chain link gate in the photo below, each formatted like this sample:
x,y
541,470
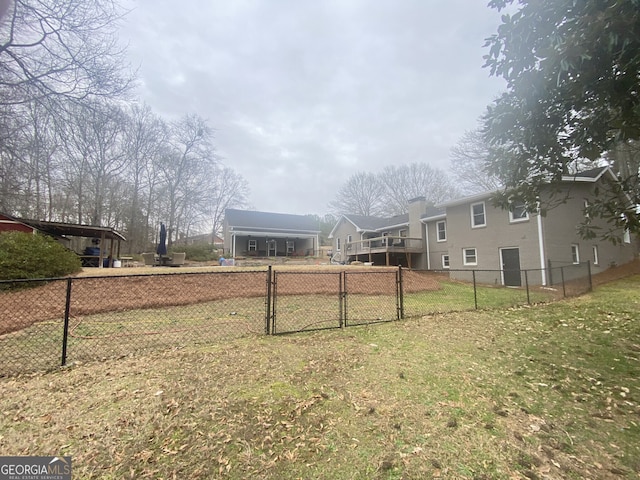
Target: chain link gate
x,y
305,301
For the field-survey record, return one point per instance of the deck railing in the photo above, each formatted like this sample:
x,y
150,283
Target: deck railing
x,y
385,244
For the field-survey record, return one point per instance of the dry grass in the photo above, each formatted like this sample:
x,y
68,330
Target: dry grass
x,y
542,392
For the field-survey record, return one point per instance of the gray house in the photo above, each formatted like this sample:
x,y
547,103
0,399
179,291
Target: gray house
x,y
469,233
263,234
483,237
398,240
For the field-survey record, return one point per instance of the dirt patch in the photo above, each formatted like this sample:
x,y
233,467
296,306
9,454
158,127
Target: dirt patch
x,y
615,273
91,295
129,289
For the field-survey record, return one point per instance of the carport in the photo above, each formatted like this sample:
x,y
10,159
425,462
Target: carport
x,y
59,229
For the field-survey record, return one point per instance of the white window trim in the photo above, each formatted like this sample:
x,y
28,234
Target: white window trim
x,y
438,239
517,220
626,238
575,247
448,261
484,214
252,246
596,255
464,256
337,244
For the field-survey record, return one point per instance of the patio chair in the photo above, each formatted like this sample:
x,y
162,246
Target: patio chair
x,y
177,259
149,259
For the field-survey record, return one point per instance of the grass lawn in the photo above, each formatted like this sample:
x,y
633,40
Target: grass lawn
x,y
549,391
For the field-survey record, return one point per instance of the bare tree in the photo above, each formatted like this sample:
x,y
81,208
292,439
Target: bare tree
x,y
468,159
94,147
11,163
186,167
61,49
361,194
145,137
405,182
228,190
39,158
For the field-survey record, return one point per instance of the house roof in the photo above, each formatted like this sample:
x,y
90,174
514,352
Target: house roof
x,y
591,175
271,221
364,223
462,200
433,213
372,224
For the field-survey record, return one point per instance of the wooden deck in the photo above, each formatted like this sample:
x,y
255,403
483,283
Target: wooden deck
x,y
386,245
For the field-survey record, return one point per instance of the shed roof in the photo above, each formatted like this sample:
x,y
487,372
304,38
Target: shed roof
x,y
73,229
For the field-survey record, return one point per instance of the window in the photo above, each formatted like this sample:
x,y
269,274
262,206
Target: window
x,y
596,260
337,244
291,247
445,261
399,242
348,238
518,212
477,215
441,227
627,237
252,246
575,254
385,240
469,256
586,208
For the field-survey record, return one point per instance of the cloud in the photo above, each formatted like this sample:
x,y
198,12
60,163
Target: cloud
x,y
302,94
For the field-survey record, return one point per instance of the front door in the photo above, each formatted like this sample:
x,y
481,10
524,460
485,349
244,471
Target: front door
x,y
271,248
511,267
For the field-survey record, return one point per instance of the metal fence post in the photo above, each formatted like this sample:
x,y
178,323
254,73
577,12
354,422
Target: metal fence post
x,y
589,274
65,335
526,282
400,294
564,290
475,290
267,314
343,299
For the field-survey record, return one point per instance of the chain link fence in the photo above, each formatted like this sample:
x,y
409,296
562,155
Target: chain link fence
x,y
50,322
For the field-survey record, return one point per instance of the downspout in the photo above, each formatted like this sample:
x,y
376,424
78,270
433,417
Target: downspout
x,y
426,236
541,247
233,245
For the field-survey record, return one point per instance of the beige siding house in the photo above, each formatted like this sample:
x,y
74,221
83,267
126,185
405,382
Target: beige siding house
x,y
436,234
471,234
399,240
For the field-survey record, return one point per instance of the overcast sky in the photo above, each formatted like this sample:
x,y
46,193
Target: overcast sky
x,y
304,93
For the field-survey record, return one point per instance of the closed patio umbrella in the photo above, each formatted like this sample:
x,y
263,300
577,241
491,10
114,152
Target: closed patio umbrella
x,y
162,243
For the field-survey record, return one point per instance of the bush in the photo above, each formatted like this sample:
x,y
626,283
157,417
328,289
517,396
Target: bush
x,y
24,255
198,252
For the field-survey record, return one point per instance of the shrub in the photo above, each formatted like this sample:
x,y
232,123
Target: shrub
x,y
198,252
24,255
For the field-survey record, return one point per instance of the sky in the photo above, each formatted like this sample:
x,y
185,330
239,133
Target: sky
x,y
302,94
